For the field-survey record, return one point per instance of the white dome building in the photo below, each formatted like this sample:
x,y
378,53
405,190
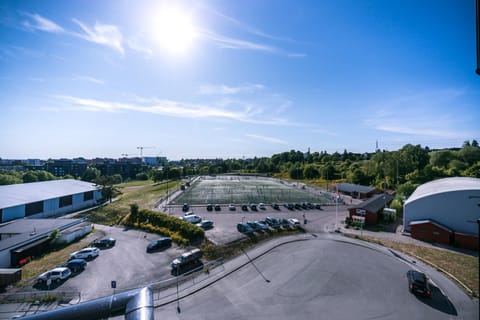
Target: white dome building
x,y
444,210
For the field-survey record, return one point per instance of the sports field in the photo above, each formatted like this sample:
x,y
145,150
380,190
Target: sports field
x,y
244,189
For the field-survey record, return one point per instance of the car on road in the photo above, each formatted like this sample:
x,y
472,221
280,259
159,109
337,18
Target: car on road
x,y
294,222
244,228
231,207
418,283
159,244
205,224
57,275
185,207
75,265
86,253
104,243
192,218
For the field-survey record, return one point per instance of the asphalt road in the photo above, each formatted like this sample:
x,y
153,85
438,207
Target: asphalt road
x,y
323,279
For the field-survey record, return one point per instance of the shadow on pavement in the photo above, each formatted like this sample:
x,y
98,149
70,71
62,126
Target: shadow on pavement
x,y
439,301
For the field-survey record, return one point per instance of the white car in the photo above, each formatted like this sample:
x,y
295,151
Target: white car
x,y
85,253
261,206
193,218
294,222
54,275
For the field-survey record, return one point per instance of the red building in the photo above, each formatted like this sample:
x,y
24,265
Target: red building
x,y
371,208
431,231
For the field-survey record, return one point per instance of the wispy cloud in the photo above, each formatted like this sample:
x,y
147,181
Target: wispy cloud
x,y
104,34
37,22
266,139
233,43
90,79
241,112
222,89
426,114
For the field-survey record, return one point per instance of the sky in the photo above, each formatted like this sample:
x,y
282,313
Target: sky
x,y
234,79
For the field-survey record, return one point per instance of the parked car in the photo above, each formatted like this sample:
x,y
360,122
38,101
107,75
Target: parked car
x,y
261,206
244,228
205,224
104,243
58,274
244,207
209,207
231,207
217,207
283,222
254,225
418,283
272,222
317,206
158,244
193,218
294,222
85,253
253,206
275,206
185,207
263,224
75,265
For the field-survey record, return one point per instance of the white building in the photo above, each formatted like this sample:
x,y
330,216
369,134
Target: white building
x,y
46,199
451,202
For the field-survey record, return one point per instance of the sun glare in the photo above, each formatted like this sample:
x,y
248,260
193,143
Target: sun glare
x,y
174,30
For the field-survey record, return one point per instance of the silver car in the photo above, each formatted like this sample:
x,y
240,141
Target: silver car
x,y
85,253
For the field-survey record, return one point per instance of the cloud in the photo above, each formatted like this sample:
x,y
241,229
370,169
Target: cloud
x,y
37,22
90,79
104,34
228,90
232,43
266,139
425,114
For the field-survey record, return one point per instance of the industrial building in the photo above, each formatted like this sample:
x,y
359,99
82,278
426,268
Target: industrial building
x,y
24,239
445,211
356,191
46,199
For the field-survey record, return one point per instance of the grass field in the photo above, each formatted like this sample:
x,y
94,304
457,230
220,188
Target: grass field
x,y
244,189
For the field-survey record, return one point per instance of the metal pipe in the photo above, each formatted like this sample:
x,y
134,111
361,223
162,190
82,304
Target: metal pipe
x,y
135,304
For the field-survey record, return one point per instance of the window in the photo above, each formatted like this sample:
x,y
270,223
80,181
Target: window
x,y
1,215
33,208
65,201
87,195
436,233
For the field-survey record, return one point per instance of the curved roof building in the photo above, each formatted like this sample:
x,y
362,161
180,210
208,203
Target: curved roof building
x,y
451,202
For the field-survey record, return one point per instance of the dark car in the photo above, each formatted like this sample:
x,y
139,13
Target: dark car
x,y
209,207
418,283
76,265
244,228
244,207
217,207
104,243
275,206
185,207
272,222
254,225
253,206
158,244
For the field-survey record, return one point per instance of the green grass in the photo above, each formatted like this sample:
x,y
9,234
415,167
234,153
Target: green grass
x,y
144,193
461,266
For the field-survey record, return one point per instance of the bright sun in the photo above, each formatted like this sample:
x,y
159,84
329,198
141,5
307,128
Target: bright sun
x,y
174,30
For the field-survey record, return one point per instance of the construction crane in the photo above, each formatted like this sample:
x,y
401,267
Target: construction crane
x,y
141,150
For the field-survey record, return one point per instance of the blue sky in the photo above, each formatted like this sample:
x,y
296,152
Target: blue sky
x,y
233,79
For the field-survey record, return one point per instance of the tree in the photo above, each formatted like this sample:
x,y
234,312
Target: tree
x,y
29,176
310,172
91,174
105,184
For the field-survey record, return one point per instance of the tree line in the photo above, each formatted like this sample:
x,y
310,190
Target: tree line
x,y
401,170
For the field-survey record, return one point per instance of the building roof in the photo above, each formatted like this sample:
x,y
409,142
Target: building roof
x,y
24,231
375,203
348,187
428,221
444,185
19,194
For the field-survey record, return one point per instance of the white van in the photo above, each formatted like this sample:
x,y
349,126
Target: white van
x,y
193,218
